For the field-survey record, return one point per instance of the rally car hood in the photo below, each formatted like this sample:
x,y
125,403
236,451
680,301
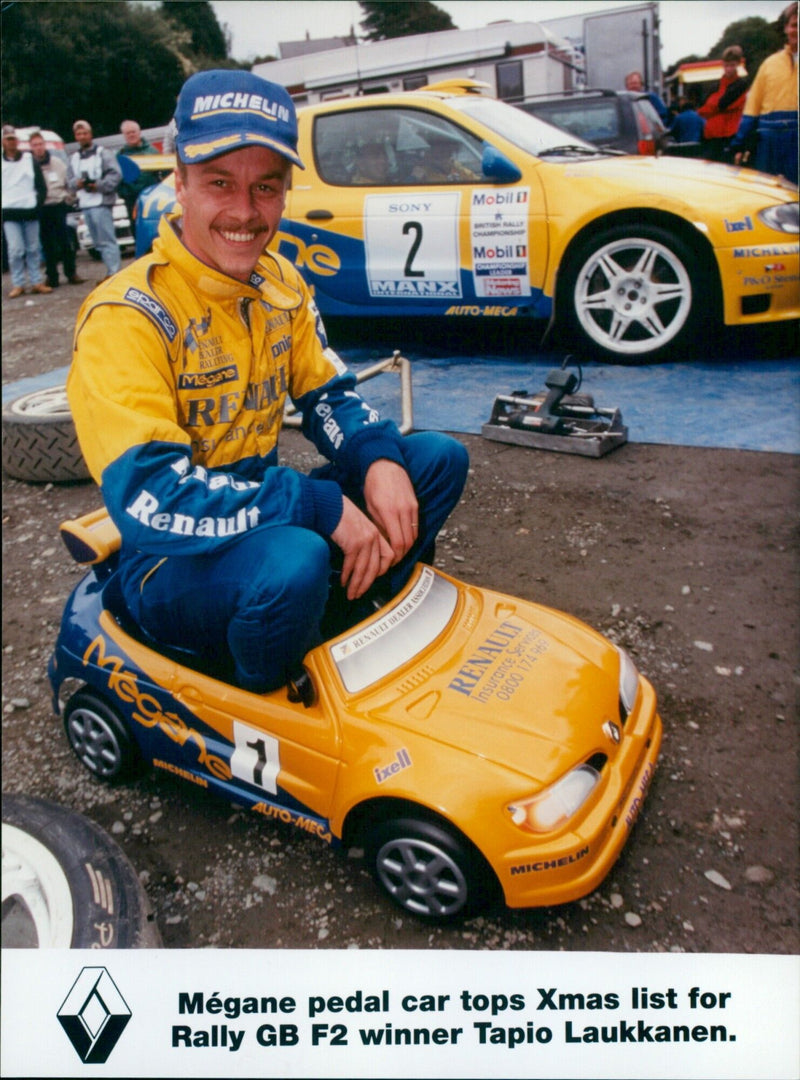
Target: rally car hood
x,y
507,681
655,172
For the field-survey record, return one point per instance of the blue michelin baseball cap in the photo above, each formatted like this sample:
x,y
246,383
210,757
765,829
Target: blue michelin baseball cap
x,y
219,111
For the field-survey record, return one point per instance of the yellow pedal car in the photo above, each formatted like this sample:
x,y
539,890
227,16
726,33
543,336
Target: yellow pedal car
x,y
477,746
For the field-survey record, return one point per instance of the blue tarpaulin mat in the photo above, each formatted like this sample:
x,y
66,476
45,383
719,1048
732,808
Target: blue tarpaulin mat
x,y
746,405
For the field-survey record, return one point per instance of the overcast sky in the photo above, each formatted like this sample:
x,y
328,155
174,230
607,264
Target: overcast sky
x,y
687,26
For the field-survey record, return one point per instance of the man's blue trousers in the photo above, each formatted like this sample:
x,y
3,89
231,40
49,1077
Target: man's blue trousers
x,y
262,598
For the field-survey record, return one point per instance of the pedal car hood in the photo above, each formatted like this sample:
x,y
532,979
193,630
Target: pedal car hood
x,y
504,680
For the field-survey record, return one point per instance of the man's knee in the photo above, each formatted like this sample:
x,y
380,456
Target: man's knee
x,y
437,462
297,570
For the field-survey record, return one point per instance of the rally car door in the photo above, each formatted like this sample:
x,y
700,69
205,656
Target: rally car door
x,y
394,215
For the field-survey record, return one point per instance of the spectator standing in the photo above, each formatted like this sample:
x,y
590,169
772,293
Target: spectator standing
x,y
96,178
135,144
722,110
687,127
55,236
23,193
770,111
635,83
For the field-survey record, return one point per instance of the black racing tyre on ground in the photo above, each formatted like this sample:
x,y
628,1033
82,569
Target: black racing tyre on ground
x,y
99,738
66,884
634,294
39,439
428,869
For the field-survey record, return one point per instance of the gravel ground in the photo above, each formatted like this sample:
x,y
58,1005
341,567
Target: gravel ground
x,y
687,557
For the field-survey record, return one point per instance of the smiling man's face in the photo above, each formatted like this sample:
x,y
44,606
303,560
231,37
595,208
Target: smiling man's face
x,y
232,206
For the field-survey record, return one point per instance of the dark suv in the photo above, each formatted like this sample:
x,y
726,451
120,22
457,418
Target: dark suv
x,y
619,120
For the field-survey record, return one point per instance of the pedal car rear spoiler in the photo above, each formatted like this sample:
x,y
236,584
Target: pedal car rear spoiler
x,y
91,539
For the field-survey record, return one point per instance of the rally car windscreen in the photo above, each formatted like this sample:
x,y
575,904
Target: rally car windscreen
x,y
527,132
398,634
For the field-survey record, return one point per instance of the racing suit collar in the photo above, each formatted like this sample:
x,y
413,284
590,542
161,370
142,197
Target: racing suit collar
x,y
265,283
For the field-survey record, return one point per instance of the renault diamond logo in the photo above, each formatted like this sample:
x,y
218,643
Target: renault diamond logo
x,y
94,1015
611,731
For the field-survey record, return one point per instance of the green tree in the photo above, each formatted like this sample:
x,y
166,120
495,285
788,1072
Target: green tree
x,y
398,18
757,38
205,38
103,62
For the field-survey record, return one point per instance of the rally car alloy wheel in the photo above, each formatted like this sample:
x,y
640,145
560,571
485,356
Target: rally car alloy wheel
x,y
633,293
39,439
99,739
427,869
66,884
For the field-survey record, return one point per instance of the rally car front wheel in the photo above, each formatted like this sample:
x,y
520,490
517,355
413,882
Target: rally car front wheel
x,y
428,869
634,294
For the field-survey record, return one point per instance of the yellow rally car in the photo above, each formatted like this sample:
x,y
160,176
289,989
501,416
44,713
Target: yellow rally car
x,y
445,202
476,745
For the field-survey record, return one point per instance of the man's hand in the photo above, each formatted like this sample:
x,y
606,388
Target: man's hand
x,y
392,505
371,544
366,554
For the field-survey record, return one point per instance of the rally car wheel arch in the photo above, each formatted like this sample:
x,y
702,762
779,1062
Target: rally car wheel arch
x,y
39,440
428,869
99,738
66,884
634,293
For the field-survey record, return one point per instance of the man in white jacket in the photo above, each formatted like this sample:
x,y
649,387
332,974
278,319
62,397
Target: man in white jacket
x,y
96,178
57,244
23,194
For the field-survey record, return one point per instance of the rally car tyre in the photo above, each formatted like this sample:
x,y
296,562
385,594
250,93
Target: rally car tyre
x,y
634,294
39,440
428,869
66,884
99,738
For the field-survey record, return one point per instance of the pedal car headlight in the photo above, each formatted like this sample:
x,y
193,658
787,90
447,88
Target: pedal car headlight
x,y
628,684
556,804
784,218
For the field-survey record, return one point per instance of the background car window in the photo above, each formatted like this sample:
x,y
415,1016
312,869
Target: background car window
x,y
394,147
595,121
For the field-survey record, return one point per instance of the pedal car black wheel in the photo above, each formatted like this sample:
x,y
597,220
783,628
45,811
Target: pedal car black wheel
x,y
428,869
100,739
39,440
66,884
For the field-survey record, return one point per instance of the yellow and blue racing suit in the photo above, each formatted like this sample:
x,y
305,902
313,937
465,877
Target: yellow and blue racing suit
x,y
770,116
177,388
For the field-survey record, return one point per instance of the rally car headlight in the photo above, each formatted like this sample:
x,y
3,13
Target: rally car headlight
x,y
628,684
784,218
556,804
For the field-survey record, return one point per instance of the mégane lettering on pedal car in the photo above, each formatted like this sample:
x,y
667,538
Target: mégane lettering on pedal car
x,y
148,711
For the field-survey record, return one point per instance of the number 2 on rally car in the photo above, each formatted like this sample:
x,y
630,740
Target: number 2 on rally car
x,y
412,239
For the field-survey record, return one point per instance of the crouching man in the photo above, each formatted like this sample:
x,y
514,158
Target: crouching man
x,y
182,366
